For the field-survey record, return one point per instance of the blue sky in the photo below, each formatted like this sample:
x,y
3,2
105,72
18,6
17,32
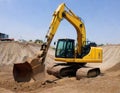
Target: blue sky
x,y
30,19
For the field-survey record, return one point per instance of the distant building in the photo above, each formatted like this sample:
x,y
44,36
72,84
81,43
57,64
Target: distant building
x,y
3,36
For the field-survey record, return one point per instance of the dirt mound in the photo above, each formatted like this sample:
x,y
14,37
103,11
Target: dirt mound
x,y
111,56
7,82
114,68
15,52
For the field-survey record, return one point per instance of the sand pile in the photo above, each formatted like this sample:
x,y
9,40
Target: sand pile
x,y
114,68
14,52
111,56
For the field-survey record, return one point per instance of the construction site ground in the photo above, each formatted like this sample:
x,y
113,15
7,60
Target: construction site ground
x,y
14,52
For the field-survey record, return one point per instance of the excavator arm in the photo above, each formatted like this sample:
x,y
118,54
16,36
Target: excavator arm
x,y
64,12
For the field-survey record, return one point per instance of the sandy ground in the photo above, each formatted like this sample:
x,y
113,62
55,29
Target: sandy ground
x,y
13,52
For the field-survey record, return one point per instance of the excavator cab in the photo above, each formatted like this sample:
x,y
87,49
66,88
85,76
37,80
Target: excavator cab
x,y
65,48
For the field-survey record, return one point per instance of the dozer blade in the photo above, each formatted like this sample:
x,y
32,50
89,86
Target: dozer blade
x,y
87,72
32,68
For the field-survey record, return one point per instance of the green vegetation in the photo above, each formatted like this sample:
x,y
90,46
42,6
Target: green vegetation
x,y
38,41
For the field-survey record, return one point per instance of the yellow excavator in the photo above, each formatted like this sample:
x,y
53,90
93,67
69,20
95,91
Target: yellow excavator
x,y
72,57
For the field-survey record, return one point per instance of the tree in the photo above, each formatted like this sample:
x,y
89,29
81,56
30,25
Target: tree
x,y
38,41
30,41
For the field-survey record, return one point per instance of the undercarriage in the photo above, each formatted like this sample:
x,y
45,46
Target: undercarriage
x,y
61,70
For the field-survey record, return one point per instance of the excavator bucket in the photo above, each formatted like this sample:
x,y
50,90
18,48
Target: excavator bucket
x,y
32,68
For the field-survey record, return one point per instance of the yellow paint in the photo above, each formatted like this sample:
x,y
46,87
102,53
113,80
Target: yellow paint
x,y
94,56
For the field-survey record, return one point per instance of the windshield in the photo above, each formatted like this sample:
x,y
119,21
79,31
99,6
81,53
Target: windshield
x,y
65,48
